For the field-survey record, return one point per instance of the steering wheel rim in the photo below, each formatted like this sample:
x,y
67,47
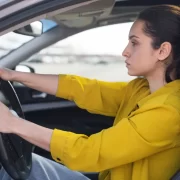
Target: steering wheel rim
x,y
15,152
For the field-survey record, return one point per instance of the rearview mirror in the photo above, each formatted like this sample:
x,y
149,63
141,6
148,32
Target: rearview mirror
x,y
33,29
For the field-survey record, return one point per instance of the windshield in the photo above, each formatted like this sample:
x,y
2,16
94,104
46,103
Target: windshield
x,y
12,41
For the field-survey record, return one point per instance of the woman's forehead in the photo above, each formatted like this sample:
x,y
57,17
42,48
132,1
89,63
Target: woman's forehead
x,y
136,29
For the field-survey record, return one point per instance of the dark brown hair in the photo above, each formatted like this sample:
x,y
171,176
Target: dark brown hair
x,y
162,24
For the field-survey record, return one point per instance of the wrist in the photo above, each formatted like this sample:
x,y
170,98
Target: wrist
x,y
31,132
16,125
15,75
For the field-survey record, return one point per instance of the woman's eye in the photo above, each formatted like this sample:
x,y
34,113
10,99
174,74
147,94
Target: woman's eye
x,y
133,43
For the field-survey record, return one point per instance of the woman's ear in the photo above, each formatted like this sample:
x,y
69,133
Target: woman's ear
x,y
164,51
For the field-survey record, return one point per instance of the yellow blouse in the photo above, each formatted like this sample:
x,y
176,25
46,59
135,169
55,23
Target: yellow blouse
x,y
143,144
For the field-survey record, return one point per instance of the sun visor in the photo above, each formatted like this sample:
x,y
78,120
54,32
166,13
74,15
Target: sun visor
x,y
101,8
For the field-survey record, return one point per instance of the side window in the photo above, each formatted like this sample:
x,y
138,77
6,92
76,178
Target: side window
x,y
96,53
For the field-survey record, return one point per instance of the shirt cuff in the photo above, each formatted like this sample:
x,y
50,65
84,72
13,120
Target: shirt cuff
x,y
64,86
58,144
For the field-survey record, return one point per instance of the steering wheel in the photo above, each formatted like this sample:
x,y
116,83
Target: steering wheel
x,y
15,152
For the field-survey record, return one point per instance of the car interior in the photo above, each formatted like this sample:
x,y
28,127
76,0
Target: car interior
x,y
47,110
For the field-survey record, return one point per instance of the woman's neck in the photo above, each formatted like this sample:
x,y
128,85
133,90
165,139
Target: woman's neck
x,y
156,81
155,85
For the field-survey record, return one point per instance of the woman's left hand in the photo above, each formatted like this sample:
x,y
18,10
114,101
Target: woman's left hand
x,y
7,119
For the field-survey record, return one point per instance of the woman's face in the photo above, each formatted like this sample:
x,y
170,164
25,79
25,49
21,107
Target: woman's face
x,y
141,58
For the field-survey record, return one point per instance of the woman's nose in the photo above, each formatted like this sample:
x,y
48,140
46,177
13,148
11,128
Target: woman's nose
x,y
125,53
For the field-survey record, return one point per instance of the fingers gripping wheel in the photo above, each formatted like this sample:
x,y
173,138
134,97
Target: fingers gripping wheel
x,y
15,152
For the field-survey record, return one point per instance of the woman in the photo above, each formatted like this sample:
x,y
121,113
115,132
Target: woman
x,y
144,143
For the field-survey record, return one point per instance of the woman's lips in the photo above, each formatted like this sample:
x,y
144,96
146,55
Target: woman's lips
x,y
127,64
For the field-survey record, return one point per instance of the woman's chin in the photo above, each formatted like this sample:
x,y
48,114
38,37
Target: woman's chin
x,y
132,73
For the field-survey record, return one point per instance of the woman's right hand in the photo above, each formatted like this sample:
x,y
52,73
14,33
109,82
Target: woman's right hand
x,y
6,74
41,82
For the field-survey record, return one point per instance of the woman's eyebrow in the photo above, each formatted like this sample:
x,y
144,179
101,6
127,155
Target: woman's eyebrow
x,y
133,36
